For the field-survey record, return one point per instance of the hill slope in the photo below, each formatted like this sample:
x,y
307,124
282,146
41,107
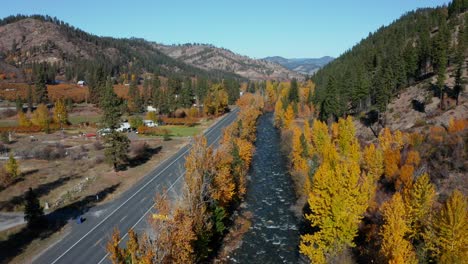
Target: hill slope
x,y
209,57
27,40
307,66
421,44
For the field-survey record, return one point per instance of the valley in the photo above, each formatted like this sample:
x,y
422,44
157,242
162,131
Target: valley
x,y
120,149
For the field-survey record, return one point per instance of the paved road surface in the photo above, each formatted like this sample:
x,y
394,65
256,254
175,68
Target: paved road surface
x,y
86,242
9,220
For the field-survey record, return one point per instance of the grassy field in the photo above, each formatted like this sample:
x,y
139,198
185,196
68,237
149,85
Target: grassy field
x,y
80,119
8,123
183,131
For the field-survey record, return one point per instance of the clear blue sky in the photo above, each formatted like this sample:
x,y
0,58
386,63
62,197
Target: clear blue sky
x,y
257,28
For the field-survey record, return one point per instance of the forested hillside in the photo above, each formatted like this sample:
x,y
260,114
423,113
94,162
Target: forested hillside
x,y
421,44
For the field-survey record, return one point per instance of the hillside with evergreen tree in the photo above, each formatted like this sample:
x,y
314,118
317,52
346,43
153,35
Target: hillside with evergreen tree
x,y
422,44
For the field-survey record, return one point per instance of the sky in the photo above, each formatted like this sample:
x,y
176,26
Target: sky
x,y
256,28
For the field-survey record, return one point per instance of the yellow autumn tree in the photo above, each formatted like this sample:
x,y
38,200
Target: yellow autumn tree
x,y
151,116
41,117
116,254
320,137
372,164
223,186
279,113
419,200
288,117
298,162
23,120
199,171
12,167
348,144
452,230
270,92
395,247
339,196
60,112
133,247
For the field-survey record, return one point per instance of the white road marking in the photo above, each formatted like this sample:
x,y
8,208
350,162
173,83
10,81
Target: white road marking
x,y
138,191
97,242
121,220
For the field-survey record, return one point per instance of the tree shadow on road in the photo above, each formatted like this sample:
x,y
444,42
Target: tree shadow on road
x,y
16,243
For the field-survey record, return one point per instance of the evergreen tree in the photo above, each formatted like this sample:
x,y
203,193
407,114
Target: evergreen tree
x,y
441,60
117,145
329,107
30,98
134,103
41,94
293,95
96,79
110,104
186,94
33,212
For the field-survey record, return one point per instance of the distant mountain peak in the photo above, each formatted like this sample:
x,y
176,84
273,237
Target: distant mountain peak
x,y
307,66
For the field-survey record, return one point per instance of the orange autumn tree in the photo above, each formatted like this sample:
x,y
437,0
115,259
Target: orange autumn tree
x,y
116,254
288,117
391,145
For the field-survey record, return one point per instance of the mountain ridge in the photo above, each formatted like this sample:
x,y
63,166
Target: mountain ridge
x,y
306,66
207,56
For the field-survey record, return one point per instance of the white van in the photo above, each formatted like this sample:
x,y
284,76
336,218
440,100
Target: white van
x,y
150,123
124,127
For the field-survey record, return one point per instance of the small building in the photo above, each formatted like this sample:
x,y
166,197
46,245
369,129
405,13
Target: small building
x,y
81,83
150,108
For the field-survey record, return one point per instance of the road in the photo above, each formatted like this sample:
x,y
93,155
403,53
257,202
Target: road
x,y
87,241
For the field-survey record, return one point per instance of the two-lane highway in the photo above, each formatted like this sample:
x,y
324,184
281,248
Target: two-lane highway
x,y
86,242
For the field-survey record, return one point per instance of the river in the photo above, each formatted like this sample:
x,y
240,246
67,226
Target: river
x,y
273,236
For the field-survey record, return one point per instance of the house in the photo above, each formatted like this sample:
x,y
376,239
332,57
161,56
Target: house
x,y
81,83
150,108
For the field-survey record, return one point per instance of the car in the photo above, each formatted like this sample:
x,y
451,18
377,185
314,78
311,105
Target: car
x,y
150,123
124,127
104,131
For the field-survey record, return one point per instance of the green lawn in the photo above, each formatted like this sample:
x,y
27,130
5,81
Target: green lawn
x,y
8,123
182,131
80,119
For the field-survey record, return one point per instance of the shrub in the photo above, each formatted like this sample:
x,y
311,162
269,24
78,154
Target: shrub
x,y
152,131
180,121
179,113
98,145
4,137
139,149
31,129
5,178
420,122
136,122
99,159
